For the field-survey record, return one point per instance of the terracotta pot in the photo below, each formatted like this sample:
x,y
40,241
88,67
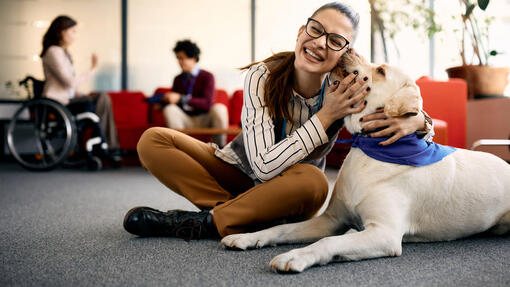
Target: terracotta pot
x,y
483,81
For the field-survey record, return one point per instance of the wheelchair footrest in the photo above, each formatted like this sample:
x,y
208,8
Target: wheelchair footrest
x,y
95,141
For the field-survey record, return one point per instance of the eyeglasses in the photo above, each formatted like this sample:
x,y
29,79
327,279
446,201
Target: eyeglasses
x,y
334,41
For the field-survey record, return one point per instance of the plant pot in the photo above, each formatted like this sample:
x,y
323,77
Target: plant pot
x,y
482,81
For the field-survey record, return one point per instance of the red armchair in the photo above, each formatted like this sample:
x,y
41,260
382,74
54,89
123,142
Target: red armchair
x,y
235,108
446,101
130,115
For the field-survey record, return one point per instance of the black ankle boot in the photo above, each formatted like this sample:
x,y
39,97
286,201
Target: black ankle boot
x,y
149,222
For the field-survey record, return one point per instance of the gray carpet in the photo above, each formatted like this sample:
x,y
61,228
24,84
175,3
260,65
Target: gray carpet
x,y
64,228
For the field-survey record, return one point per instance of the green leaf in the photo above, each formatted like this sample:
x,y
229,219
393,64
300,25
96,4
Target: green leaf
x,y
494,53
469,10
483,4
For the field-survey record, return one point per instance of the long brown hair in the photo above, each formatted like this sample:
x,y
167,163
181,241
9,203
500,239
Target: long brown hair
x,y
280,81
279,84
53,36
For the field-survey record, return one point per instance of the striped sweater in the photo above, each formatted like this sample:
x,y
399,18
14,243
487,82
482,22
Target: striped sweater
x,y
259,150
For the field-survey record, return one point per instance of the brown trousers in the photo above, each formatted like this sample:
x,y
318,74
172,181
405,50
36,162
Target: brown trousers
x,y
190,168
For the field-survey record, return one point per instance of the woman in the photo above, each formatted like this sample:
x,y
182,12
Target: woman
x,y
272,171
61,82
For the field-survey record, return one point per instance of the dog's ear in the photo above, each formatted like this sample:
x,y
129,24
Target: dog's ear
x,y
406,101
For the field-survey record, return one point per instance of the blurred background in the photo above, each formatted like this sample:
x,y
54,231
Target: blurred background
x,y
230,33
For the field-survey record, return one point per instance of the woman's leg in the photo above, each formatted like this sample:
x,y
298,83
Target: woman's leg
x,y
298,193
189,167
104,111
83,104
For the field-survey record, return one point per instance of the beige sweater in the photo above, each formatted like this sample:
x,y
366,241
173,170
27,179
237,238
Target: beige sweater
x,y
61,81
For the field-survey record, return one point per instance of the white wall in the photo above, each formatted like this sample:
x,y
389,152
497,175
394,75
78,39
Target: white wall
x,y
23,24
220,28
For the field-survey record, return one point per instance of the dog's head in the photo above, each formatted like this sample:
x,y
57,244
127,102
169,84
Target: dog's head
x,y
390,88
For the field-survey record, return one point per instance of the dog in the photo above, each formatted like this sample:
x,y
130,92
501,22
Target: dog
x,y
375,205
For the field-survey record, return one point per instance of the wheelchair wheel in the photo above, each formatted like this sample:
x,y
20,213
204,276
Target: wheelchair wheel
x,y
41,134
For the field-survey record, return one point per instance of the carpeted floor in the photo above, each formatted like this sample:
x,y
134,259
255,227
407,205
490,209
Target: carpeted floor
x,y
64,228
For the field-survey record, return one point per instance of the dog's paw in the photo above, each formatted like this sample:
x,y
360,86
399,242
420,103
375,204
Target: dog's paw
x,y
293,261
242,241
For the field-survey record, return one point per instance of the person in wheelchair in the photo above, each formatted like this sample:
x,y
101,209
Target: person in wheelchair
x,y
62,82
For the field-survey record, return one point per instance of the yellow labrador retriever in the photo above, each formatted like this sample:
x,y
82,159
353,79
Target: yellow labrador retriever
x,y
464,193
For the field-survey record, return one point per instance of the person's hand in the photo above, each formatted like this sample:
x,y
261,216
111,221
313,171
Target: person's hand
x,y
157,107
172,98
95,61
341,99
394,128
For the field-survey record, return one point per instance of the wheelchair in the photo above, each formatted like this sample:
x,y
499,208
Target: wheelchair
x,y
43,134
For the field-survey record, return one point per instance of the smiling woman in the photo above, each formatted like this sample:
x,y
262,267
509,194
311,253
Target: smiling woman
x,y
273,171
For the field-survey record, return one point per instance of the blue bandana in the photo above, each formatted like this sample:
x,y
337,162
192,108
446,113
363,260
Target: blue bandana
x,y
408,150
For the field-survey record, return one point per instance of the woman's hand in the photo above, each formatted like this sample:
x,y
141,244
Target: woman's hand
x,y
95,61
341,99
394,128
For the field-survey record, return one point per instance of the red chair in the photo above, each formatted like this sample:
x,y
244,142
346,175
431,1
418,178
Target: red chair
x,y
221,97
234,112
156,117
441,132
236,106
446,101
130,115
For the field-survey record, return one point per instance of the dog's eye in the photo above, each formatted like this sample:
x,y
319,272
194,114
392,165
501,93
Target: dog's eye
x,y
380,70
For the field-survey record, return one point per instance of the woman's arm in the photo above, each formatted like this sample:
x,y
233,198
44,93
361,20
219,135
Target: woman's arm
x,y
398,127
55,59
266,158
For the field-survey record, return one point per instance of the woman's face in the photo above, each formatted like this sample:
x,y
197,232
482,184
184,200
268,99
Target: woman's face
x,y
313,55
68,36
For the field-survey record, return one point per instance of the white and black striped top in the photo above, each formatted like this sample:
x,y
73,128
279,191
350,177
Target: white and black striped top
x,y
267,156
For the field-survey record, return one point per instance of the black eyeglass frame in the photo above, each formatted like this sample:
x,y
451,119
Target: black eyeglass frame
x,y
325,33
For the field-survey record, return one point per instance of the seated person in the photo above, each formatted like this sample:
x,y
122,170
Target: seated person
x,y
61,82
190,104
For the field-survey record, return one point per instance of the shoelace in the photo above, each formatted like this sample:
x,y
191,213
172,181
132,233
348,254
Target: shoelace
x,y
188,229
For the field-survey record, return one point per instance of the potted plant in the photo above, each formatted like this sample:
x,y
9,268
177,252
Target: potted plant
x,y
389,17
482,79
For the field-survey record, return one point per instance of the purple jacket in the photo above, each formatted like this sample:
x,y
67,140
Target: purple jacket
x,y
202,96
